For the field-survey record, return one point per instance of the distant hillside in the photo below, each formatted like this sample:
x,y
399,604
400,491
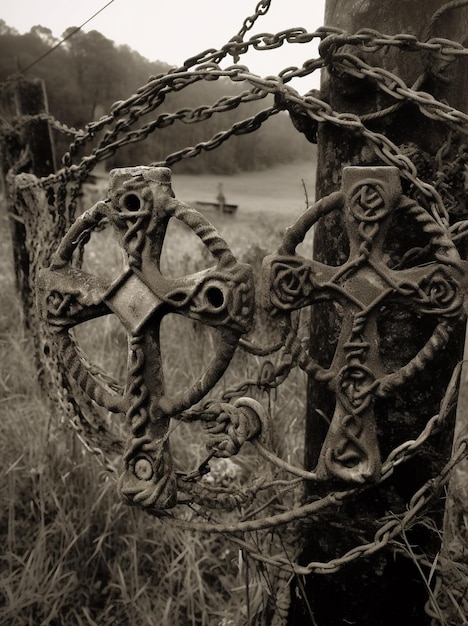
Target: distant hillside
x,y
88,72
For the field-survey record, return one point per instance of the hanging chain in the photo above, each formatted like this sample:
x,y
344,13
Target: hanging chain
x,y
261,9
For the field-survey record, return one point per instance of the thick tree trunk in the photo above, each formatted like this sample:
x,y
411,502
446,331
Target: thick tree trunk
x,y
387,588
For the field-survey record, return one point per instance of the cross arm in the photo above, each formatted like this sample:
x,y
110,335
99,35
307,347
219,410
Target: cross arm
x,y
292,282
70,296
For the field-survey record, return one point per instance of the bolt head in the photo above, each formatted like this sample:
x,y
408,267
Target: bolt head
x,y
143,469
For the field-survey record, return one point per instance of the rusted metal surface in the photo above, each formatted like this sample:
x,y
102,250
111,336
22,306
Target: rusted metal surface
x,y
139,207
362,285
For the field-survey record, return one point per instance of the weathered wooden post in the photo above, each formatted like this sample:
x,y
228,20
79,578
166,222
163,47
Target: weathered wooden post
x,y
388,587
31,102
31,150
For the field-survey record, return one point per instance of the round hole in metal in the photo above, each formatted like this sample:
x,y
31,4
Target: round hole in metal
x,y
215,297
132,202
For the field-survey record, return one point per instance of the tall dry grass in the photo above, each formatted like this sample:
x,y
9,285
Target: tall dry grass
x,y
73,554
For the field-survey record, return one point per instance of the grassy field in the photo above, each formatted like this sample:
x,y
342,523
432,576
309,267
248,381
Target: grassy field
x,y
73,553
278,191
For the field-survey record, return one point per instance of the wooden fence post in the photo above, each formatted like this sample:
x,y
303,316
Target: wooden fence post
x,y
34,148
31,100
386,588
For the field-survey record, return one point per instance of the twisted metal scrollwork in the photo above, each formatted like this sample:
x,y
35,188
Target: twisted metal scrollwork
x,y
357,376
139,207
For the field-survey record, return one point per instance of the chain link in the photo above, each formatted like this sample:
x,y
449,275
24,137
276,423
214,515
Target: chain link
x,y
262,8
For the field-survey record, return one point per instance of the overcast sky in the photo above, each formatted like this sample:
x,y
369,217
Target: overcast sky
x,y
173,30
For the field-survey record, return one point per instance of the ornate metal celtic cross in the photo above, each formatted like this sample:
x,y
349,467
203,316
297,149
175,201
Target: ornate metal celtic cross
x,y
368,200
139,206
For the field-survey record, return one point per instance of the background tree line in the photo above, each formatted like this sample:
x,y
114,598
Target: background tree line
x,y
87,73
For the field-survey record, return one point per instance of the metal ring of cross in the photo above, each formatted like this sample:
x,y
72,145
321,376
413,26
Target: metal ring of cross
x,y
139,207
368,199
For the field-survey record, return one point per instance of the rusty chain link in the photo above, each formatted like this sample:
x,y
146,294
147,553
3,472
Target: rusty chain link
x,y
262,8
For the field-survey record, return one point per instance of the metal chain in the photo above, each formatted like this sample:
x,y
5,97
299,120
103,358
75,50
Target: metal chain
x,y
121,130
261,9
396,87
383,536
153,94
